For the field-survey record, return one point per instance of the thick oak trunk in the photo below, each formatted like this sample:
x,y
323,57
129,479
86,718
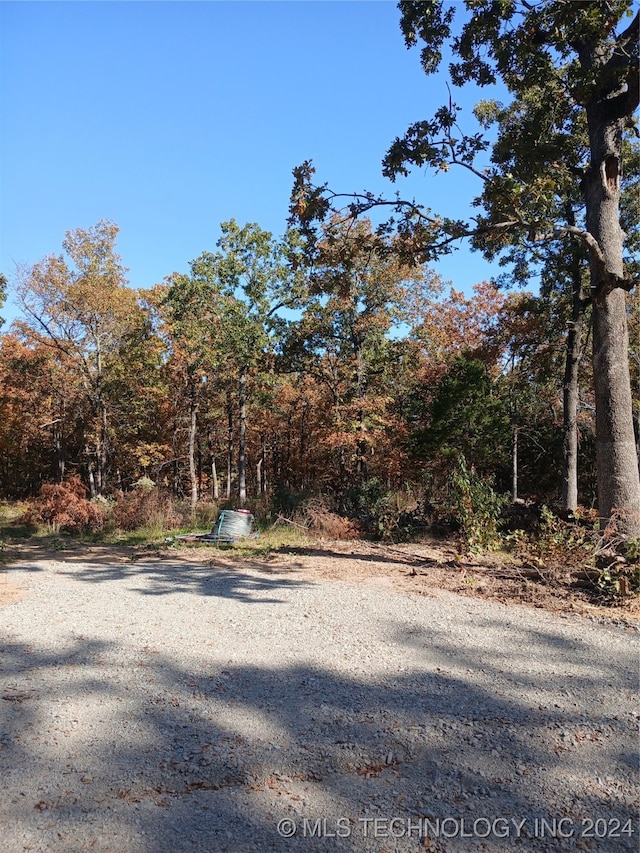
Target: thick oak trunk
x,y
617,461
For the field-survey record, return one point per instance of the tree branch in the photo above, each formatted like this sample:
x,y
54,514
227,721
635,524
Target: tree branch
x,y
609,281
629,36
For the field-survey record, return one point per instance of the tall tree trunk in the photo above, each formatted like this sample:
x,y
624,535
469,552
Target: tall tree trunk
x,y
288,465
276,467
634,341
570,389
193,422
101,431
215,493
176,470
361,449
229,445
514,464
342,455
102,449
58,445
259,477
215,490
242,438
265,477
360,380
99,465
261,467
303,448
570,397
91,478
342,468
617,461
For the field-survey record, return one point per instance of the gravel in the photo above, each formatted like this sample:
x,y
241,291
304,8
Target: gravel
x,y
166,706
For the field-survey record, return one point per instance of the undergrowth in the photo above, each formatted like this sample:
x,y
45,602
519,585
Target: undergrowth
x,y
596,559
64,506
476,507
553,549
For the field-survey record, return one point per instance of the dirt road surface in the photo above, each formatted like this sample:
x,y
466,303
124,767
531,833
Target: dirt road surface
x,y
339,697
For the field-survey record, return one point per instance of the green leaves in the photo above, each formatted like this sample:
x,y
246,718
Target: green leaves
x,y
476,507
428,21
466,415
438,143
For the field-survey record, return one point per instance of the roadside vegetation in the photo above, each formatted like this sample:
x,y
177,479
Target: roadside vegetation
x,y
479,532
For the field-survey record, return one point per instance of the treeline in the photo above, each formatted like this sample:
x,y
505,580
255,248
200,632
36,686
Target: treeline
x,y
258,377
332,360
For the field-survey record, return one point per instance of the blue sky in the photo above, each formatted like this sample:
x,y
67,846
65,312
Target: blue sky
x,y
171,117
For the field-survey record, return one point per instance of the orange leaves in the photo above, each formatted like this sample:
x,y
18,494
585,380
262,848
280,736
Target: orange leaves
x,y
449,326
64,506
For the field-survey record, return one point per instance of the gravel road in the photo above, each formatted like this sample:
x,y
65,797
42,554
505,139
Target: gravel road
x,y
161,706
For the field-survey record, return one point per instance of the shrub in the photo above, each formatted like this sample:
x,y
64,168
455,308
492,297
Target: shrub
x,y
145,507
64,506
206,513
563,541
476,507
319,519
618,561
391,516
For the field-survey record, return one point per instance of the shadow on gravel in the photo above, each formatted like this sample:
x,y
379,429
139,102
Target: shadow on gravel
x,y
166,760
395,558
166,578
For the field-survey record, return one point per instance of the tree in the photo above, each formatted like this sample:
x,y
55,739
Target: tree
x,y
572,73
358,293
466,417
137,387
40,404
82,311
257,280
191,310
565,298
487,389
224,326
564,308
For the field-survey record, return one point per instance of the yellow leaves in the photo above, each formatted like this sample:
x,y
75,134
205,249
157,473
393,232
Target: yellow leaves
x,y
150,454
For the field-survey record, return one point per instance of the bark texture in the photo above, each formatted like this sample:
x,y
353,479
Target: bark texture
x,y
617,461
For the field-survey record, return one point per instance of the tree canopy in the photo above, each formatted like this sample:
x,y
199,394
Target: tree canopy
x,y
554,172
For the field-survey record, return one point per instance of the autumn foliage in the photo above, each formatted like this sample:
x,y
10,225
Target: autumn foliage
x,y
145,507
64,506
348,417
320,520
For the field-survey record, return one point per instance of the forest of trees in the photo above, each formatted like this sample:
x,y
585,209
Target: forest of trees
x,y
252,376
333,359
